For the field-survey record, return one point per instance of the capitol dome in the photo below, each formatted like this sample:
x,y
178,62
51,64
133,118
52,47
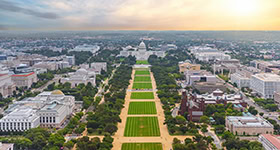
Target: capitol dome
x,y
57,92
142,46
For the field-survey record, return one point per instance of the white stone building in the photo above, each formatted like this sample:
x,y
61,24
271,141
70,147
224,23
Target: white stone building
x,y
86,48
240,80
50,109
265,84
248,125
7,86
141,52
203,53
21,119
24,79
98,66
80,76
70,60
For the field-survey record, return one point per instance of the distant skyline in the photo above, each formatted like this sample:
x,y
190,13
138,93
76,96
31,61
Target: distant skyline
x,y
139,14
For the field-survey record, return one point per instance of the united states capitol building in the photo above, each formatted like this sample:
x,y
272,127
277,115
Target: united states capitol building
x,y
48,109
140,52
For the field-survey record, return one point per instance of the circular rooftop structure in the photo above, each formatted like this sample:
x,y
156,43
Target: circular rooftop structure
x,y
142,46
82,71
57,92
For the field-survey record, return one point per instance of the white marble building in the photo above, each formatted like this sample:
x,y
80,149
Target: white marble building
x,y
48,109
141,52
203,53
98,66
265,84
21,119
80,76
24,79
7,86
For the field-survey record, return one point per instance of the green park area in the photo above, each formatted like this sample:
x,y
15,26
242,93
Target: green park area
x,y
139,62
138,108
142,95
141,146
142,79
142,86
141,127
142,72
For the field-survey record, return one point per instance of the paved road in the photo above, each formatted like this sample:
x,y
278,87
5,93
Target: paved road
x,y
217,141
250,102
55,79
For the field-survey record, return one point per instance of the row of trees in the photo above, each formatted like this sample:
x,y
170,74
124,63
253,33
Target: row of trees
x,y
36,138
198,142
106,115
85,143
166,72
234,143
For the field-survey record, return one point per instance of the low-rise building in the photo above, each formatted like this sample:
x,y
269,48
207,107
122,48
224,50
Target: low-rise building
x,y
48,109
7,86
53,114
265,84
199,75
140,52
24,79
98,67
21,119
231,68
248,125
240,80
204,53
206,87
269,141
183,66
195,104
80,76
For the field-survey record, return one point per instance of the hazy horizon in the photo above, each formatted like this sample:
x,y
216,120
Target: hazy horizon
x,y
146,15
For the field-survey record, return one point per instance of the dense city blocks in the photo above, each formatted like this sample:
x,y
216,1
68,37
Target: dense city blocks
x,y
137,90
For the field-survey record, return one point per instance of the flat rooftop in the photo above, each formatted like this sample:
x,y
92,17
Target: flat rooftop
x,y
249,121
267,76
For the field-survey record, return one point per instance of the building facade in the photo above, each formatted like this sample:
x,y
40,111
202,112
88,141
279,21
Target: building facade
x,y
80,76
24,79
240,80
265,84
141,52
248,125
48,109
7,86
98,67
183,66
204,53
21,119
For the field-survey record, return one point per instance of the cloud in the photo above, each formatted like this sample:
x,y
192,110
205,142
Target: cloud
x,y
13,7
3,27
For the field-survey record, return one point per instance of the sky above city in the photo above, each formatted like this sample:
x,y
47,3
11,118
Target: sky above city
x,y
139,14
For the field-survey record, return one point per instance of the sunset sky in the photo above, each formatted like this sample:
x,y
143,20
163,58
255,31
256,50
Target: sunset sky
x,y
140,14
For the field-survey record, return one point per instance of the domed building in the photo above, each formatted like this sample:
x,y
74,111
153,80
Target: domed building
x,y
140,52
48,109
80,76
